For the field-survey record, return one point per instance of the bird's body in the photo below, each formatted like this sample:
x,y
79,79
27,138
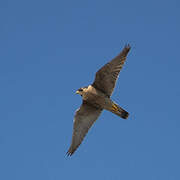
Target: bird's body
x,y
96,97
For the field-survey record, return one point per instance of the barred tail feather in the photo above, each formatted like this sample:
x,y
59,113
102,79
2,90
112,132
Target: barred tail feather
x,y
119,111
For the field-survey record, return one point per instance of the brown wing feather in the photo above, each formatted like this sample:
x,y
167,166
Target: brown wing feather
x,y
106,77
84,118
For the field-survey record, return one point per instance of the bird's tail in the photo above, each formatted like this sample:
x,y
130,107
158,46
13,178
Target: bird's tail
x,y
119,111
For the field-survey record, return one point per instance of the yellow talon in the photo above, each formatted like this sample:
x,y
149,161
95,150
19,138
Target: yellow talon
x,y
114,107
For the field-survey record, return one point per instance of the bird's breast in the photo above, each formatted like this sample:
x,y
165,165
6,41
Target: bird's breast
x,y
96,100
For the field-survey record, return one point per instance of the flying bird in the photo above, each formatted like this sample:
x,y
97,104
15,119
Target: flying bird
x,y
96,97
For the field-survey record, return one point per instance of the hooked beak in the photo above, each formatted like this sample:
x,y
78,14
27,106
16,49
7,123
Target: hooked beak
x,y
77,92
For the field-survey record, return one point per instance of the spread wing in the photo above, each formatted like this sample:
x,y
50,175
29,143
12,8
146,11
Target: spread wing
x,y
106,77
84,118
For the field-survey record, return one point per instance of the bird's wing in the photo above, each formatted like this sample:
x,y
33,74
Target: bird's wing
x,y
84,118
106,77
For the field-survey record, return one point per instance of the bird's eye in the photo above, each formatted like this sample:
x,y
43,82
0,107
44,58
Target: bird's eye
x,y
80,89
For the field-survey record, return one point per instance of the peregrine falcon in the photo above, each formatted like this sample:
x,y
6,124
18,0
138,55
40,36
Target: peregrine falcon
x,y
96,97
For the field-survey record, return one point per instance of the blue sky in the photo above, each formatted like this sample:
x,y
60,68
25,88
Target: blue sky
x,y
49,49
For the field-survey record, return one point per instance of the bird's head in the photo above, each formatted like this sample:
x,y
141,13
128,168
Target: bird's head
x,y
81,91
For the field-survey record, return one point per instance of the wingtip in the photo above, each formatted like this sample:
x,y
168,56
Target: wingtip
x,y
127,46
69,153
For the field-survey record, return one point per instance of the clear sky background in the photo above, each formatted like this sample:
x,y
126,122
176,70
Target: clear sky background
x,y
49,49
